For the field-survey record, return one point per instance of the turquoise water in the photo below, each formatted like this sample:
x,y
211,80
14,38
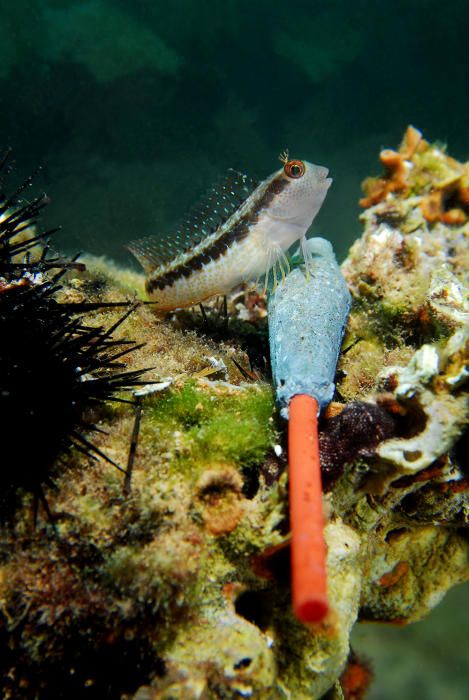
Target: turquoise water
x,y
428,660
133,107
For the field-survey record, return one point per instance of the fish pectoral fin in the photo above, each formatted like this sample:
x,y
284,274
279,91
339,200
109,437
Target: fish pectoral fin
x,y
307,256
277,264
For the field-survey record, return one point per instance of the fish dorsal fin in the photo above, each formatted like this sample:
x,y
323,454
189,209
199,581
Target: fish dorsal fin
x,y
212,211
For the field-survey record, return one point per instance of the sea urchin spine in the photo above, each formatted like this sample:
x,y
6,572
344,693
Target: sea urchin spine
x,y
53,366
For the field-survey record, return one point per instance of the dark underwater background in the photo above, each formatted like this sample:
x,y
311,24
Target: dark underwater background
x,y
133,107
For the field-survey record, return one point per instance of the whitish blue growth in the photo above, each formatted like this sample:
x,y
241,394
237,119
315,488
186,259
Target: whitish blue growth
x,y
307,317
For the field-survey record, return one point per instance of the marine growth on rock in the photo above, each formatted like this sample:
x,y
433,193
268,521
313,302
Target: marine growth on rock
x,y
180,588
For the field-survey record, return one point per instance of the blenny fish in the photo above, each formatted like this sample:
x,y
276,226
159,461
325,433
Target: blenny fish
x,y
238,232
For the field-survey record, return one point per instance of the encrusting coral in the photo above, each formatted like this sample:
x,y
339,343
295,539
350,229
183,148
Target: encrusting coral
x,y
180,588
408,274
426,171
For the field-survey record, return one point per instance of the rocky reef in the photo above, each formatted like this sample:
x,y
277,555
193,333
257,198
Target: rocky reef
x,y
174,583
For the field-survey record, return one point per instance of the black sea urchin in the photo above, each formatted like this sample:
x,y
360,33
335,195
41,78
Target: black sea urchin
x,y
53,366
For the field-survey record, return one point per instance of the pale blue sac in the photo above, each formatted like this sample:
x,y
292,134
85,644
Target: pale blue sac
x,y
307,318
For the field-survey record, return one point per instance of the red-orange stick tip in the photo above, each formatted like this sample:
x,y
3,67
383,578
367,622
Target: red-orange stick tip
x,y
312,610
308,548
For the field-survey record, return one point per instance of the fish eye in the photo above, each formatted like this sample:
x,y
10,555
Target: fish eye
x,y
294,169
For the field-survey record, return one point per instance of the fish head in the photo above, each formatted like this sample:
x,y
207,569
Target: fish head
x,y
300,189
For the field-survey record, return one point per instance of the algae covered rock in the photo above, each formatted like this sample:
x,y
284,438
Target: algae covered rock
x,y
172,581
408,274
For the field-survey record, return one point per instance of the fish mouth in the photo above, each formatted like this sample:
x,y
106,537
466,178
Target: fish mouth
x,y
322,172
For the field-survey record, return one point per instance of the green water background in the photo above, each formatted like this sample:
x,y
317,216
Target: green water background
x,y
133,107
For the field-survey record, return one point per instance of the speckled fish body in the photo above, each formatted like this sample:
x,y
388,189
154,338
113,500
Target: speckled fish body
x,y
238,232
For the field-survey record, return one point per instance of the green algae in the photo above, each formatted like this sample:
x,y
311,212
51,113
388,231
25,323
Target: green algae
x,y
236,426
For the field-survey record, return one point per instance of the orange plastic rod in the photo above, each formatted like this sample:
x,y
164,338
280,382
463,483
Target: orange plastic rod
x,y
308,548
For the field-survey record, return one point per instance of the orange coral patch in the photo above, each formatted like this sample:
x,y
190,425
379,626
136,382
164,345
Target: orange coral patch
x,y
444,198
356,678
394,576
454,486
